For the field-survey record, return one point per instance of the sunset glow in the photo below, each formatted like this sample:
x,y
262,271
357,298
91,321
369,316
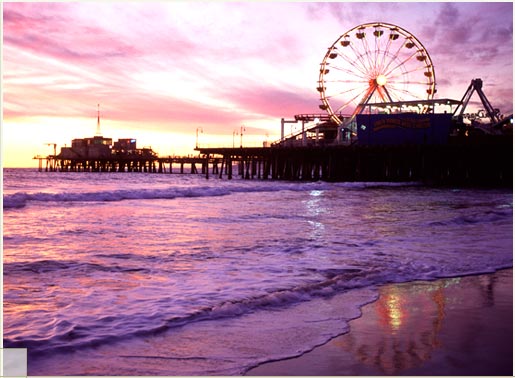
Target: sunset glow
x,y
162,70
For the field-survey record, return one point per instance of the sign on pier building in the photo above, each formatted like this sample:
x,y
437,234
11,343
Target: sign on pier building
x,y
403,128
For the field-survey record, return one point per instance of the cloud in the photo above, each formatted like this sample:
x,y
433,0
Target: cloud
x,y
273,102
219,63
62,38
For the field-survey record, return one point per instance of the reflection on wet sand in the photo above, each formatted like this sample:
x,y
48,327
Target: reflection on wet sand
x,y
403,338
401,330
460,326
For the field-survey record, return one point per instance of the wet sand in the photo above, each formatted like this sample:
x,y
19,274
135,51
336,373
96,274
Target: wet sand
x,y
456,326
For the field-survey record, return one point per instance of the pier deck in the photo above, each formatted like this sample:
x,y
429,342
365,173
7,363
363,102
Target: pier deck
x,y
487,161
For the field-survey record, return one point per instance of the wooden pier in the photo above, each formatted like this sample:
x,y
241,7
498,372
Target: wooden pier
x,y
485,161
149,164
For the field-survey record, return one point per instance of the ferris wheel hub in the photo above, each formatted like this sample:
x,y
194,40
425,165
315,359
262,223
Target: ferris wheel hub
x,y
381,80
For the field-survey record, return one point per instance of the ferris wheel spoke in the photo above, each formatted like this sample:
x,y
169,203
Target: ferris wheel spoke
x,y
377,41
385,54
347,81
397,94
408,93
348,91
358,75
400,75
368,53
352,101
362,70
343,96
384,96
424,83
400,64
393,58
400,80
405,72
367,97
359,57
362,82
358,65
358,71
379,53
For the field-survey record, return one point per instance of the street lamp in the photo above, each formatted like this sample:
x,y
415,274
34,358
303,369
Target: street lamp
x,y
242,129
234,133
198,128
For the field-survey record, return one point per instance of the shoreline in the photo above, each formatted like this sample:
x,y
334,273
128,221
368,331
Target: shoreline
x,y
451,326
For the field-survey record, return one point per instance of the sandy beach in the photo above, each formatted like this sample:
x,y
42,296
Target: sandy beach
x,y
455,326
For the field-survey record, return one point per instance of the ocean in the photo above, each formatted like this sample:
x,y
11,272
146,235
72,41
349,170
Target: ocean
x,y
170,274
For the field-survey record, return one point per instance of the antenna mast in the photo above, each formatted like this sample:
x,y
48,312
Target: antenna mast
x,y
98,133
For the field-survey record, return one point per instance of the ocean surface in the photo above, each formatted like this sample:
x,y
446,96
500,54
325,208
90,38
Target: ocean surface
x,y
228,274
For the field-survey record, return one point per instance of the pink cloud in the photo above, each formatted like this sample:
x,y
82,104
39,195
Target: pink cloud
x,y
61,59
62,37
273,102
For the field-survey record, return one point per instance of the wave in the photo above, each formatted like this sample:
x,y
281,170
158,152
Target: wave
x,y
69,337
21,199
49,266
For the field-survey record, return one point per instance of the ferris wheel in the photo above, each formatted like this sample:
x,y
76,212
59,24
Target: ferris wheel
x,y
374,63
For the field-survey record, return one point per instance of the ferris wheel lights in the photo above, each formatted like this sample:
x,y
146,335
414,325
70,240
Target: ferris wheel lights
x,y
376,69
381,80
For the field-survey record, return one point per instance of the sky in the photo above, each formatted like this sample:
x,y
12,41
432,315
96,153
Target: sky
x,y
165,72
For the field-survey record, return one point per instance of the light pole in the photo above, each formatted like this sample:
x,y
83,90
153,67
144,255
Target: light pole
x,y
234,133
198,128
242,129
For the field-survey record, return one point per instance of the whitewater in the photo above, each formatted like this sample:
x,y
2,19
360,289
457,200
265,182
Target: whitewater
x,y
170,274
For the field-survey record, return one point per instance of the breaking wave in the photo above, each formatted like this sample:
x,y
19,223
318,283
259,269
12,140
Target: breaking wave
x,y
68,336
21,199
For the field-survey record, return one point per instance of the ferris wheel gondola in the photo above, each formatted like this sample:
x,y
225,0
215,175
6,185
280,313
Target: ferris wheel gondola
x,y
374,63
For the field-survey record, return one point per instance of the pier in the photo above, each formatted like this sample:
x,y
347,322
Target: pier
x,y
464,161
127,163
485,161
